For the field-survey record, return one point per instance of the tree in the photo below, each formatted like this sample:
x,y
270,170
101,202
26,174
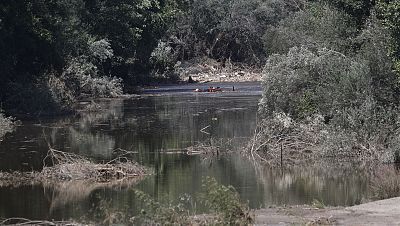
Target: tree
x,y
389,13
317,25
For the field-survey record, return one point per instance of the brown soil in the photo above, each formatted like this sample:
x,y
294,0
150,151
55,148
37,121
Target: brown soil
x,y
383,212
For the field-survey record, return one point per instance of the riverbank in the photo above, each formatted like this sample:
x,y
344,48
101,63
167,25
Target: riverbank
x,y
383,212
204,70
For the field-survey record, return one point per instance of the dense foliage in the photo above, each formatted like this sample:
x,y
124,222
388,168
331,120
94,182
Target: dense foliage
x,y
341,68
54,51
224,204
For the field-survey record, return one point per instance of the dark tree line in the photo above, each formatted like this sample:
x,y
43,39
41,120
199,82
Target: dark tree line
x,y
45,44
53,51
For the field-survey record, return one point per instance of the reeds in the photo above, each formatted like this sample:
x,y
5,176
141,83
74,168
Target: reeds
x,y
385,183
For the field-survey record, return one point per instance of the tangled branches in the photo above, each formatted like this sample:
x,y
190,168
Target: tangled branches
x,y
62,166
23,221
69,166
282,140
211,148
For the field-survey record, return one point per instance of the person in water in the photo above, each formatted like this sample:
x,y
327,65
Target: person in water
x,y
190,80
211,89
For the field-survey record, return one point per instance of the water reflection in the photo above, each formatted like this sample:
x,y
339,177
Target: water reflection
x,y
329,185
150,125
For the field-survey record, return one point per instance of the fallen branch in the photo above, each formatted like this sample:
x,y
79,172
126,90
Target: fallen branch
x,y
24,221
62,166
203,130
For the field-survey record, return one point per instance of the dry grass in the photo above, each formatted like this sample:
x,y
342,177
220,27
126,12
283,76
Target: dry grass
x,y
280,138
69,166
66,166
385,183
310,141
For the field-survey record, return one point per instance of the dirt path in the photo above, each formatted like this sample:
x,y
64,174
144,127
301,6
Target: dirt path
x,y
383,212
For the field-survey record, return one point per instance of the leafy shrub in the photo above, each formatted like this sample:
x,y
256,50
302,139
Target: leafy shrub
x,y
223,30
304,82
6,124
82,76
358,119
157,213
101,49
318,25
53,93
388,12
375,52
48,94
225,201
60,94
163,57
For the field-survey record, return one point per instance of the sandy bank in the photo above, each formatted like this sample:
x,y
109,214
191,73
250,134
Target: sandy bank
x,y
204,70
383,212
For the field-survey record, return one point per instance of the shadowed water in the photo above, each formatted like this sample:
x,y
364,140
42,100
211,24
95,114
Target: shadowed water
x,y
154,125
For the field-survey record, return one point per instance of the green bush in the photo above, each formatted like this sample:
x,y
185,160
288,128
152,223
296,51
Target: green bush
x,y
304,81
354,97
155,213
318,25
226,29
100,50
163,57
6,124
374,42
225,201
82,77
46,95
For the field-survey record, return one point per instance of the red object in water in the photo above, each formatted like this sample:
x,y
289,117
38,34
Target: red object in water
x,y
210,90
213,89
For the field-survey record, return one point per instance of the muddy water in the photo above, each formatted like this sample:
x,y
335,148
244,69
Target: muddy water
x,y
156,126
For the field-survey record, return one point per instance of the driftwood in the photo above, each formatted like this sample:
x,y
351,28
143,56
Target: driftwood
x,y
62,166
281,142
24,221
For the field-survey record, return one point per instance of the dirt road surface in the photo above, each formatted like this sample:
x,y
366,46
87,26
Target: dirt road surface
x,y
383,212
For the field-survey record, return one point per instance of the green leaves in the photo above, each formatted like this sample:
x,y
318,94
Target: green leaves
x,y
225,201
389,13
318,25
303,82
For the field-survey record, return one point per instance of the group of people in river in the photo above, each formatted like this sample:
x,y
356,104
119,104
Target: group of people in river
x,y
211,89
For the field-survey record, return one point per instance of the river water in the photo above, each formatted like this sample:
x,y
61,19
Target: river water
x,y
157,126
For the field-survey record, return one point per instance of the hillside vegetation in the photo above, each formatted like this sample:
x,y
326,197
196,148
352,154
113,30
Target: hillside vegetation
x,y
331,84
337,60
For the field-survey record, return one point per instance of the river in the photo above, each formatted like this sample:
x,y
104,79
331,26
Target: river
x,y
156,126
